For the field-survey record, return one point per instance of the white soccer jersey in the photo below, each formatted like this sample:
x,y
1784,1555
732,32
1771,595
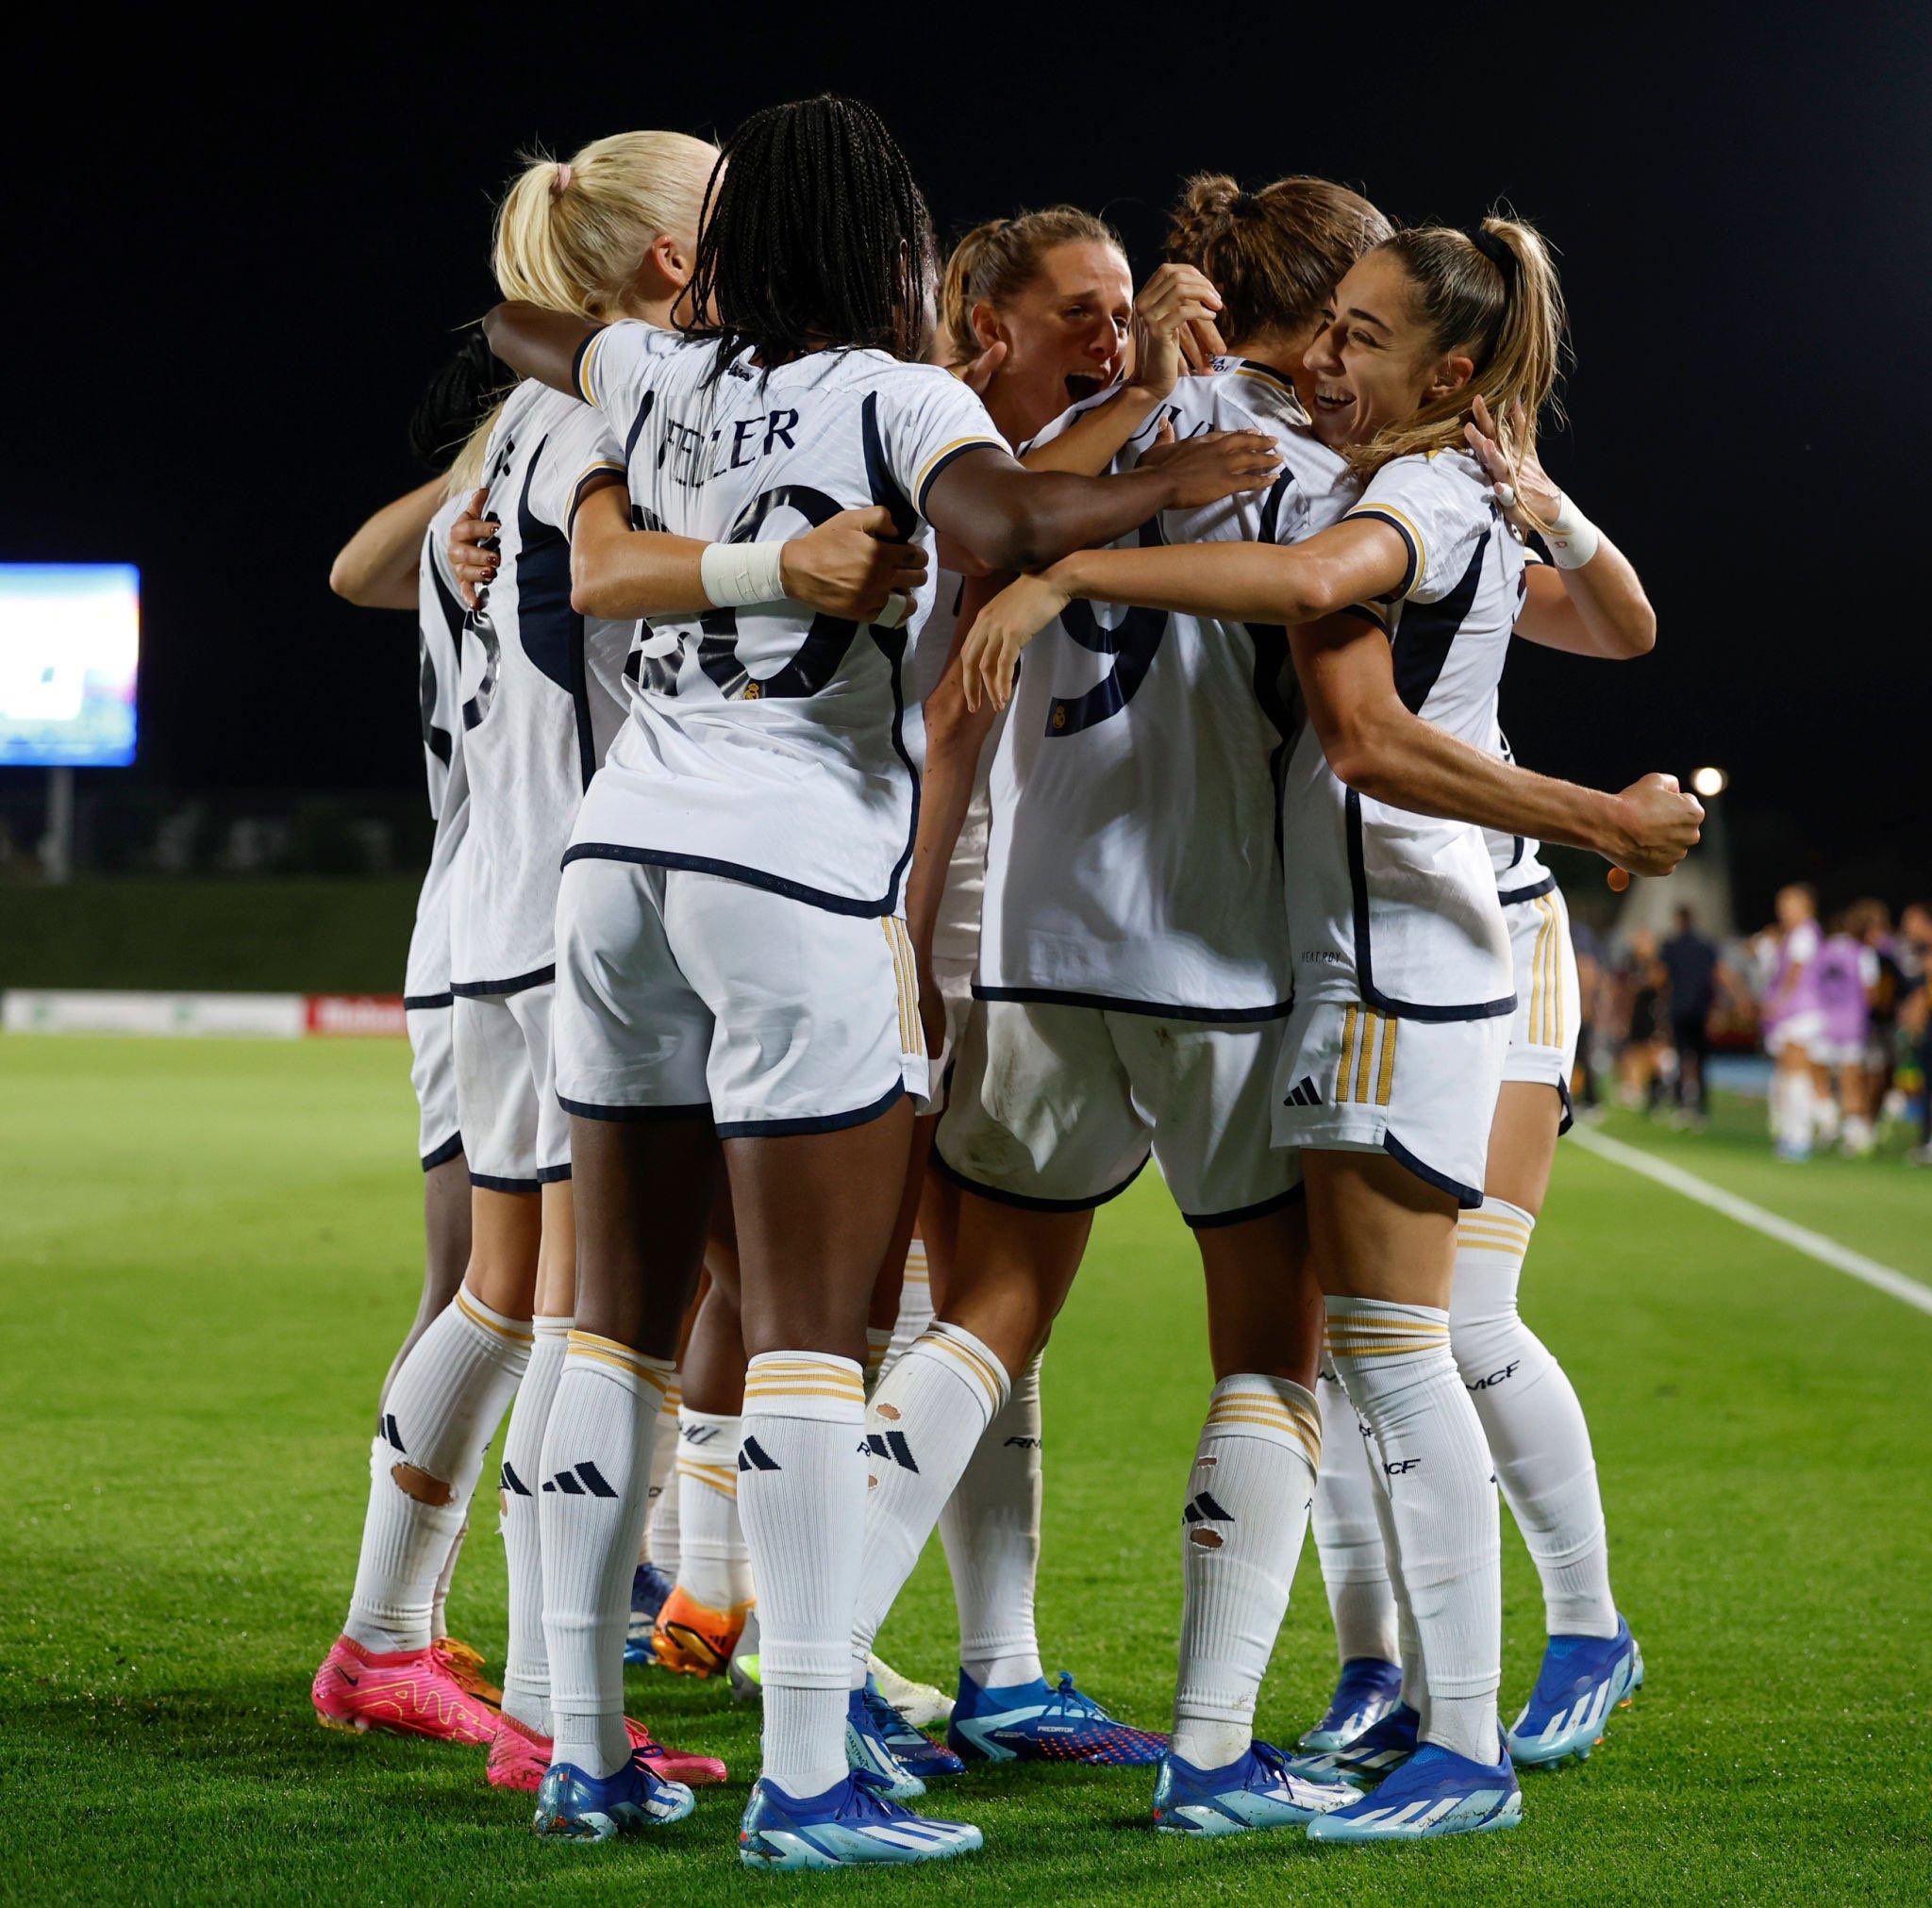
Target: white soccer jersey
x,y
1394,910
1136,854
542,695
1516,859
769,744
439,671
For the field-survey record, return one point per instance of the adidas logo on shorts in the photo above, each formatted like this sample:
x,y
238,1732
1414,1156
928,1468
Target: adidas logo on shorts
x,y
1305,1093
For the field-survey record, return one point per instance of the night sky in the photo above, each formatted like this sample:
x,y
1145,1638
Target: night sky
x,y
229,288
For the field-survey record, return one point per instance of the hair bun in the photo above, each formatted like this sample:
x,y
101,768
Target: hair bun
x,y
1210,196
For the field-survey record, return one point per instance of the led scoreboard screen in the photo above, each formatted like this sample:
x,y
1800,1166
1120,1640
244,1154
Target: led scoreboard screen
x,y
69,644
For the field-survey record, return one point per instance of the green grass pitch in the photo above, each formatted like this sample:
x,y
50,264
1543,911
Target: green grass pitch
x,y
210,1251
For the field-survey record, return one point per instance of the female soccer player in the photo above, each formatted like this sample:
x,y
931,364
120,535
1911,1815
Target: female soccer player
x,y
608,233
1393,1057
738,987
1130,978
1588,604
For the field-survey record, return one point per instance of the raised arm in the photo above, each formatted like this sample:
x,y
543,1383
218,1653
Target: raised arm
x,y
536,343
1379,748
377,568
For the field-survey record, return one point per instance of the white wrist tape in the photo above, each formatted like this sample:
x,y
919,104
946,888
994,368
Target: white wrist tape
x,y
1573,537
898,607
736,573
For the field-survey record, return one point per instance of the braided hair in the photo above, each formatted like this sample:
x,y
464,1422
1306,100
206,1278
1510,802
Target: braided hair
x,y
815,236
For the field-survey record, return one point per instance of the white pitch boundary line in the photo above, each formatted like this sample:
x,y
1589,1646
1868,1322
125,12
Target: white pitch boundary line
x,y
1813,1245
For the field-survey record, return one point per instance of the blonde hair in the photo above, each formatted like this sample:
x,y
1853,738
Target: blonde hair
x,y
1490,292
570,235
1275,254
997,260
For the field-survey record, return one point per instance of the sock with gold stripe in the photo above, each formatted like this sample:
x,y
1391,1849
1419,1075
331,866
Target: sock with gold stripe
x,y
1535,1425
444,1406
915,1305
1348,1537
1242,1528
1395,1361
526,1661
991,1528
713,1565
660,1543
801,1496
592,1496
878,1344
927,1420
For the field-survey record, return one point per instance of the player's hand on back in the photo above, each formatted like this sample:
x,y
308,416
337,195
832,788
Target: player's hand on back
x,y
473,551
1660,824
852,564
1216,464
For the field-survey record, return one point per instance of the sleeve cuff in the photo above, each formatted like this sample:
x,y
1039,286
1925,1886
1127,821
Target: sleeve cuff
x,y
941,458
583,367
1411,543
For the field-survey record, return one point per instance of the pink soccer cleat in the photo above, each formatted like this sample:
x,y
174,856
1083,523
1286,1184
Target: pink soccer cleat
x,y
520,1758
401,1692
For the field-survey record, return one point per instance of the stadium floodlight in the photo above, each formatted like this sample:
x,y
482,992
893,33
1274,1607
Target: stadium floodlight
x,y
69,653
1708,782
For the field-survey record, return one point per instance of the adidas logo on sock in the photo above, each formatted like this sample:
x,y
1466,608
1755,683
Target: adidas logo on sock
x,y
892,1445
1203,1508
567,1483
751,1456
1305,1093
697,1434
510,1482
391,1434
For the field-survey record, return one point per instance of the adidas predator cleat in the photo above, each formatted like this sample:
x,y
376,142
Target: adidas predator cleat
x,y
579,1807
1040,1721
1261,1791
1435,1792
1367,1691
692,1640
649,1587
1582,1680
853,1822
520,1758
398,1692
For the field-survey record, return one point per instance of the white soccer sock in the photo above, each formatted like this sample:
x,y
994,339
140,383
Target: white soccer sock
x,y
444,1406
660,1546
1535,1426
915,1305
878,1342
801,1494
925,1423
713,1565
1242,1528
526,1662
991,1528
439,1600
596,1473
1395,1361
1348,1534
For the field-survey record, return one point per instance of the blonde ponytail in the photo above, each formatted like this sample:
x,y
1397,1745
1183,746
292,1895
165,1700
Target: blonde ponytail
x,y
1490,292
571,234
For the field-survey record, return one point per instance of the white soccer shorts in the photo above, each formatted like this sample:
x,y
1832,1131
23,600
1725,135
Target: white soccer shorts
x,y
1056,1107
1543,1031
433,1074
1353,1080
515,1134
680,992
954,978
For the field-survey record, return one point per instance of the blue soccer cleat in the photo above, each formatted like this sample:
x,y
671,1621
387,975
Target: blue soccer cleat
x,y
915,1751
1368,1688
1040,1722
1582,1680
649,1586
852,1823
579,1807
867,1753
1378,1751
1436,1792
1261,1791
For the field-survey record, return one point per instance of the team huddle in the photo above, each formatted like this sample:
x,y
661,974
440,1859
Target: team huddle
x,y
908,746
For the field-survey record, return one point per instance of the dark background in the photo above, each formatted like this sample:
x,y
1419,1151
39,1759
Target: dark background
x,y
234,267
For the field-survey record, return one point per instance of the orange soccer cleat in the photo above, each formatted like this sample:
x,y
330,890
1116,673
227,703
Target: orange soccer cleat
x,y
692,1640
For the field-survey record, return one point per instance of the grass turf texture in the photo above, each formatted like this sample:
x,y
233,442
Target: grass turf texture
x,y
209,1252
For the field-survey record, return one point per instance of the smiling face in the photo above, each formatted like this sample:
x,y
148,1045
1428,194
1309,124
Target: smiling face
x,y
1373,361
1065,332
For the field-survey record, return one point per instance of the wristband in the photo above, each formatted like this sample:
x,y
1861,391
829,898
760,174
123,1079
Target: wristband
x,y
738,574
898,607
1574,539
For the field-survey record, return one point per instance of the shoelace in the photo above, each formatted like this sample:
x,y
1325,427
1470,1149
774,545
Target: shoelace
x,y
1073,1702
870,1800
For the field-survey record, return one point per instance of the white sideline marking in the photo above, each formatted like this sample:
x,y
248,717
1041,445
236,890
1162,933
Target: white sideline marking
x,y
1813,1245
